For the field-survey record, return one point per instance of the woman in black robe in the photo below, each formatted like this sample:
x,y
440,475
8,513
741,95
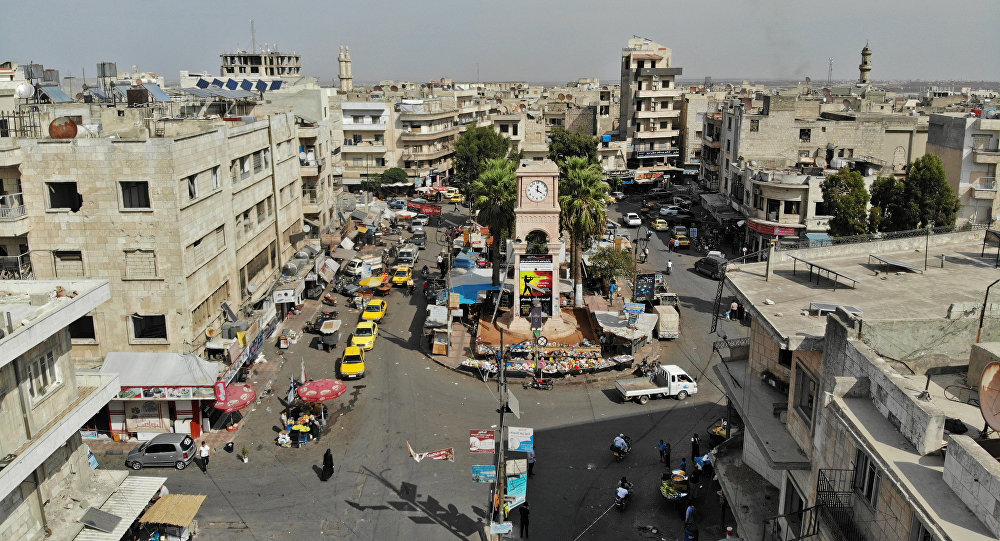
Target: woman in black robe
x,y
327,466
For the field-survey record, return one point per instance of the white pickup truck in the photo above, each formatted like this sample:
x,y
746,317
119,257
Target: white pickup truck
x,y
668,380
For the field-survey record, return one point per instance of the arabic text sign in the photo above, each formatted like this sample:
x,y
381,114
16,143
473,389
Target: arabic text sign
x,y
482,441
484,473
520,439
517,490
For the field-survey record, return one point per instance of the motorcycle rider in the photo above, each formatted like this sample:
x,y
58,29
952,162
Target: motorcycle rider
x,y
622,491
621,444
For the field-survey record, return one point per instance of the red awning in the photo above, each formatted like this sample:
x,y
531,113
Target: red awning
x,y
238,396
321,389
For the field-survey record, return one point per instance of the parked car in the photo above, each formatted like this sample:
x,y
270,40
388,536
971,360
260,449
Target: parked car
x,y
682,218
175,450
670,210
352,364
619,196
632,220
713,267
419,239
682,201
660,225
397,204
414,228
419,219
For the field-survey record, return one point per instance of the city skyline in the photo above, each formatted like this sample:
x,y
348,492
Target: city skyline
x,y
548,42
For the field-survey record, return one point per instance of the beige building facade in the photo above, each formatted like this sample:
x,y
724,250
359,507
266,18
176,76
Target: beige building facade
x,y
650,106
968,146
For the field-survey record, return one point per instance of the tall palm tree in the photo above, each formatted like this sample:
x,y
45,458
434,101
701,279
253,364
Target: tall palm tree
x,y
583,199
494,195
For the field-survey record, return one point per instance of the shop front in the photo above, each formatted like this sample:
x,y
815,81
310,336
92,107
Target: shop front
x,y
760,233
288,297
160,393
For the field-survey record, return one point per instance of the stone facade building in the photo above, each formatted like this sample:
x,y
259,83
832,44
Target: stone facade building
x,y
972,175
650,106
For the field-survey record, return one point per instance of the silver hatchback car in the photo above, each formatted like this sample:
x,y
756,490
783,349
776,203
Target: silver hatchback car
x,y
175,450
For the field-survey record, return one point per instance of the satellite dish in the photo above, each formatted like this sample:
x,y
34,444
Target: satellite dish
x,y
24,91
569,97
394,88
562,96
62,127
989,395
306,228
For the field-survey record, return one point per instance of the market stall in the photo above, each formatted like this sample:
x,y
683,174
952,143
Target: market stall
x,y
626,338
553,360
160,393
172,517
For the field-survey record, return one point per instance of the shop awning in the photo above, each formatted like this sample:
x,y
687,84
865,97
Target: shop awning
x,y
128,500
468,283
174,510
613,323
328,270
161,369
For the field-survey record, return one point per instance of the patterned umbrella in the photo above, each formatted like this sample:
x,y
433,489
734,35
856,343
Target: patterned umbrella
x,y
321,389
238,396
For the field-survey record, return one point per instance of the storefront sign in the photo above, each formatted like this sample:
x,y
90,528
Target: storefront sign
x,y
773,230
166,393
672,152
499,528
486,473
482,441
620,173
145,417
515,467
635,308
517,490
520,439
535,283
693,232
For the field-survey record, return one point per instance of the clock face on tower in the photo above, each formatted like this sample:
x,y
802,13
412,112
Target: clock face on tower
x,y
537,190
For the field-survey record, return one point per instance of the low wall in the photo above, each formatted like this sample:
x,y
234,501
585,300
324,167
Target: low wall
x,y
881,246
903,339
974,475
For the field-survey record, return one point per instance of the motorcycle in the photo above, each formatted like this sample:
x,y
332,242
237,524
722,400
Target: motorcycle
x,y
424,272
622,503
544,384
620,454
329,300
329,315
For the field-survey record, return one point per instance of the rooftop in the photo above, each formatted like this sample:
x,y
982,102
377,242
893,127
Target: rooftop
x,y
783,301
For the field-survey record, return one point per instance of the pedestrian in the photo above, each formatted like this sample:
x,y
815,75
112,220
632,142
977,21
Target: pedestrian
x,y
327,466
203,452
524,511
314,428
695,446
662,447
733,308
284,419
604,344
677,244
684,465
409,287
689,515
531,463
666,455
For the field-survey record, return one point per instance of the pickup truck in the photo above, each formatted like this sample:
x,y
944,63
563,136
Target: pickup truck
x,y
668,380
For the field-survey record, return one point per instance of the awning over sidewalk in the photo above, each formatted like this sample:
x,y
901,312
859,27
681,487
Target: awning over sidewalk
x,y
126,502
468,283
161,369
611,322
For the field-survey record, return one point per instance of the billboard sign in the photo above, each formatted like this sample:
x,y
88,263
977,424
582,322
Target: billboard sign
x,y
520,439
535,283
482,441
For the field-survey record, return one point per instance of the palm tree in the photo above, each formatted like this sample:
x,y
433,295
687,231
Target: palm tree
x,y
583,198
494,195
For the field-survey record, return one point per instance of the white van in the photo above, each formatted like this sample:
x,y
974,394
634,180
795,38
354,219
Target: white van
x,y
355,266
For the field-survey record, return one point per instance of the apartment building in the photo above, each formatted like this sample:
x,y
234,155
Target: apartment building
x,y
46,484
840,393
694,104
972,175
178,215
650,106
269,64
369,142
427,131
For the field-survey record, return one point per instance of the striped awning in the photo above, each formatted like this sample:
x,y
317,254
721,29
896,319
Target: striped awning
x,y
126,502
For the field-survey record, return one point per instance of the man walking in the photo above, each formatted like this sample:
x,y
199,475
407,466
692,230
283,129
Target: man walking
x,y
664,449
409,287
531,463
524,511
203,452
695,446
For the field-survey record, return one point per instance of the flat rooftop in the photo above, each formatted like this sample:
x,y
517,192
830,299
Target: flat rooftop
x,y
896,295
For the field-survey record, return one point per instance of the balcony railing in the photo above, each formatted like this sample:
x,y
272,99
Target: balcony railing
x,y
11,207
16,267
983,183
310,195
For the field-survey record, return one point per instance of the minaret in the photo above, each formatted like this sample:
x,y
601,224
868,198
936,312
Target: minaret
x,y
346,79
866,65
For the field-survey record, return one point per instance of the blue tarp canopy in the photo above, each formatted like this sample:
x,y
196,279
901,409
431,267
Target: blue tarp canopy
x,y
464,261
468,283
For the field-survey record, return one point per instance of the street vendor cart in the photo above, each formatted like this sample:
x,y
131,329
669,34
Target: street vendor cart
x,y
171,518
330,334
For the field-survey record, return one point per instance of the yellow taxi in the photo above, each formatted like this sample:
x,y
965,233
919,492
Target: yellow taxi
x,y
401,275
365,334
352,364
682,241
375,310
660,225
455,198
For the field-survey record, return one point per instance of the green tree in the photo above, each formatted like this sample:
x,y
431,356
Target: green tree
x,y
924,196
846,200
565,144
475,147
394,175
583,200
373,184
494,195
609,262
886,212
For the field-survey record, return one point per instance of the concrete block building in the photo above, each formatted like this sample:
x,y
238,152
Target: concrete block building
x,y
840,393
44,400
970,150
650,106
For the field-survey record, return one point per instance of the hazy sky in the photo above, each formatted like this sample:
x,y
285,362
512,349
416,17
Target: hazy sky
x,y
540,40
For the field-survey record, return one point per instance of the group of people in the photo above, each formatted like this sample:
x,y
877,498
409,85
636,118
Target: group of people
x,y
647,369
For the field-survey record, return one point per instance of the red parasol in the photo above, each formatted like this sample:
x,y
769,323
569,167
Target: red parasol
x,y
238,396
321,389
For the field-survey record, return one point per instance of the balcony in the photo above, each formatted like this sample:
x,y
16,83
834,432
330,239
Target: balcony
x,y
364,147
711,142
16,267
656,134
308,132
361,126
310,200
986,153
429,154
310,168
425,136
11,207
659,113
662,72
659,93
985,188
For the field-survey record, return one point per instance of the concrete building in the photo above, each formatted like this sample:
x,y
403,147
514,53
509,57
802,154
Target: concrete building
x,y
427,131
969,148
694,106
650,106
841,391
179,215
369,142
264,64
44,400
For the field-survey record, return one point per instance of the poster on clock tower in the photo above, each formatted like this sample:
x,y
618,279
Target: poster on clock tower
x,y
535,283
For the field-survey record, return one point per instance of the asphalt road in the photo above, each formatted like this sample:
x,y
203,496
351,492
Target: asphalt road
x,y
378,492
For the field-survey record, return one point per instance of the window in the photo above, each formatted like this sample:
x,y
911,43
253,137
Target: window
x,y
135,195
805,393
234,170
267,157
148,327
68,263
43,375
641,64
211,305
140,264
791,207
192,185
513,129
866,478
82,329
244,167
754,125
216,183
730,128
379,139
504,128
785,358
258,161
63,195
918,532
805,135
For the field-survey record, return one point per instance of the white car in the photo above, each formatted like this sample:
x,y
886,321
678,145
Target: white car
x,y
682,201
618,196
415,228
669,210
419,219
632,220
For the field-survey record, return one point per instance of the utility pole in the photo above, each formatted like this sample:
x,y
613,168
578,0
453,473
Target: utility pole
x,y
500,485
